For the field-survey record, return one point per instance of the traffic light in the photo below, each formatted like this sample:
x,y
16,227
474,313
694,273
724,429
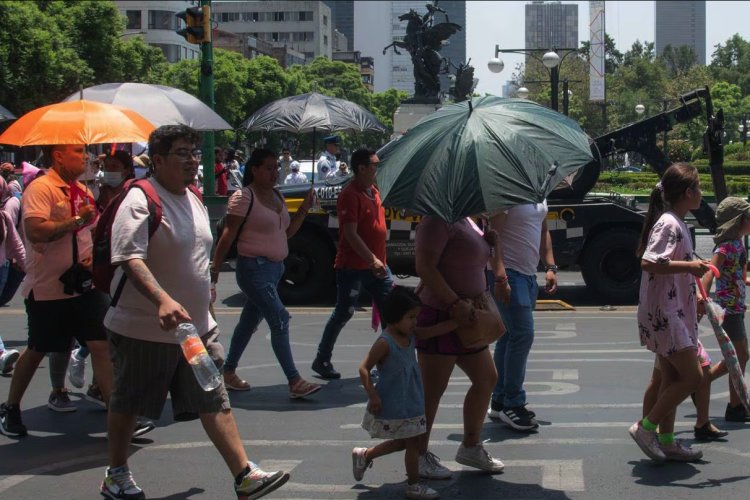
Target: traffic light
x,y
198,24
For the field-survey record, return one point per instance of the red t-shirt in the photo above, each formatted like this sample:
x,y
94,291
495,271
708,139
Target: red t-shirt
x,y
355,206
222,176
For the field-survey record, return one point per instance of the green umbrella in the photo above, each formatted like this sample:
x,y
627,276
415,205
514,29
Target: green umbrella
x,y
480,156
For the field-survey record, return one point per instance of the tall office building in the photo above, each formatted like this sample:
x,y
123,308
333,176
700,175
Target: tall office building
x,y
157,24
551,25
342,13
681,23
304,26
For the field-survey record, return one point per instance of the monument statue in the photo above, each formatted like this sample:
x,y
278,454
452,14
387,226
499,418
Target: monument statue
x,y
423,41
464,84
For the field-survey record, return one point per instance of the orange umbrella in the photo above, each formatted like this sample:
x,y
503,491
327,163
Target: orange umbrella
x,y
77,122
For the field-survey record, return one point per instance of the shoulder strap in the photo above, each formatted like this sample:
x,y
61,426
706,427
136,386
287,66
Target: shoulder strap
x,y
194,189
152,200
249,207
154,220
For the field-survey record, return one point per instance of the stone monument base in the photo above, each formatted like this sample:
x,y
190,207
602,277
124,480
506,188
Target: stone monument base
x,y
408,114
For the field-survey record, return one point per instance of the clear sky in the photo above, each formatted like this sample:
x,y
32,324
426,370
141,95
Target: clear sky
x,y
491,23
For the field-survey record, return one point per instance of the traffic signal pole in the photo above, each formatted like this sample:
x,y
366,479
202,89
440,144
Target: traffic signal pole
x,y
198,30
206,93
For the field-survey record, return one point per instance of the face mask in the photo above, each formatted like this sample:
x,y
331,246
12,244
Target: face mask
x,y
112,178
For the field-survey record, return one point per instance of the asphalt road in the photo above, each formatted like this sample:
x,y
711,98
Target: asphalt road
x,y
585,381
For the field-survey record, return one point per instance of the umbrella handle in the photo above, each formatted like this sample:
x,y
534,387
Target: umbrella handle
x,y
701,288
698,281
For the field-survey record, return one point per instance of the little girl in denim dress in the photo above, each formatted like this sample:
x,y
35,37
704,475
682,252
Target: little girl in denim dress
x,y
395,410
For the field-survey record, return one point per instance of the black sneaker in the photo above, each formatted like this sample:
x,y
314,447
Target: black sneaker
x,y
325,369
518,418
94,395
496,408
143,426
736,414
10,421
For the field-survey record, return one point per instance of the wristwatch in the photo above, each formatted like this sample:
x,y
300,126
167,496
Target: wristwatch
x,y
552,268
79,220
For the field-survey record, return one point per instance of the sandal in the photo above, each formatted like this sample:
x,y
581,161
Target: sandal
x,y
708,432
302,388
233,382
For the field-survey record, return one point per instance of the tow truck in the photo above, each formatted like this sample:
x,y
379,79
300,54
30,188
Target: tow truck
x,y
597,233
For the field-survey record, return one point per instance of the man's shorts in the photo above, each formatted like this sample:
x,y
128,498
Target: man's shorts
x,y
734,325
144,372
54,323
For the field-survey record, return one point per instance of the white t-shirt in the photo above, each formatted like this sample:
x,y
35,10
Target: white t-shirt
x,y
177,255
521,237
295,178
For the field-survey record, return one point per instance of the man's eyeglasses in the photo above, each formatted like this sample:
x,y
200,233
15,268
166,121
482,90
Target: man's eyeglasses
x,y
186,154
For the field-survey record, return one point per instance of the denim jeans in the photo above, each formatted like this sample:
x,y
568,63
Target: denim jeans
x,y
258,279
512,350
11,279
348,283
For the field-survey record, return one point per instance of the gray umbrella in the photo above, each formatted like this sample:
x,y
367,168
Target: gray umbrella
x,y
310,113
159,104
6,115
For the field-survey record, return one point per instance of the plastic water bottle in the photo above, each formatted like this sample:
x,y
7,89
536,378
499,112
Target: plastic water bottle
x,y
204,369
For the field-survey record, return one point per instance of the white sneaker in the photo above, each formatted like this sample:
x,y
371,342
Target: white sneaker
x,y
479,458
431,468
77,370
420,490
647,441
359,463
679,451
7,360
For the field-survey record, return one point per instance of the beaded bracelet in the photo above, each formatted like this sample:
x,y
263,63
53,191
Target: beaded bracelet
x,y
501,280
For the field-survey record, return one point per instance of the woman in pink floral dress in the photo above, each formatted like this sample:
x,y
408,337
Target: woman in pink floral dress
x,y
668,309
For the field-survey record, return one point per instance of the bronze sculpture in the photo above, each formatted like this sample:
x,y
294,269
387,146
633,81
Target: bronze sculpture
x,y
423,41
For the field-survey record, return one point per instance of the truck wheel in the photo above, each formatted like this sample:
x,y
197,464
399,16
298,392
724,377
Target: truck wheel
x,y
610,268
309,274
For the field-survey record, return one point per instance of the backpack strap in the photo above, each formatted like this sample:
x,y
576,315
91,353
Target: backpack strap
x,y
197,192
155,212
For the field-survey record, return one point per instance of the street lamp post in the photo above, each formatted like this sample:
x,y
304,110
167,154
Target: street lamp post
x,y
640,108
551,60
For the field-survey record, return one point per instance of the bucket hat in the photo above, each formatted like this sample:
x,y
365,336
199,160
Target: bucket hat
x,y
729,218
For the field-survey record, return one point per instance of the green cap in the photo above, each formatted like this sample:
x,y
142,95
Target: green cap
x,y
729,218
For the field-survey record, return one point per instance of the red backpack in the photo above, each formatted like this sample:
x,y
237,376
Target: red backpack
x,y
104,270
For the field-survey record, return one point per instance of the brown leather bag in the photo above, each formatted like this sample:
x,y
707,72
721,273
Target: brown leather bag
x,y
487,326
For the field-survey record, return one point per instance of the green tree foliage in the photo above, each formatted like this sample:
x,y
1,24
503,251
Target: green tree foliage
x,y
384,105
49,49
334,78
731,62
266,82
93,29
679,59
37,64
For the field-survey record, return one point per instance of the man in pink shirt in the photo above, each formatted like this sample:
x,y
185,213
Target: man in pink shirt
x,y
58,215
